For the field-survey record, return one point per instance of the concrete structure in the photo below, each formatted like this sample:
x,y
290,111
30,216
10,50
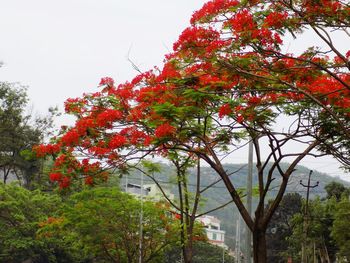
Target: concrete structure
x,y
155,194
215,235
149,191
135,189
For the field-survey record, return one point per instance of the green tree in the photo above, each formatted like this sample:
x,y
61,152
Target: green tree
x,y
281,227
341,229
21,212
19,132
336,190
104,224
202,252
320,243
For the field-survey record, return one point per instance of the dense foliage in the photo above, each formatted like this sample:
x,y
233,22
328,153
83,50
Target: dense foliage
x,y
104,224
322,231
21,211
19,132
101,224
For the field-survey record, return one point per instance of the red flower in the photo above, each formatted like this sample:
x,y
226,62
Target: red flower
x,y
275,19
254,100
42,149
147,141
177,216
85,162
65,182
99,150
212,8
224,110
196,37
83,124
347,55
71,137
108,116
124,91
243,21
74,105
169,71
107,81
89,180
240,119
117,141
164,130
55,177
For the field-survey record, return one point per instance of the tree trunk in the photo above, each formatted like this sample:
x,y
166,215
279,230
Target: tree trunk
x,y
259,246
188,255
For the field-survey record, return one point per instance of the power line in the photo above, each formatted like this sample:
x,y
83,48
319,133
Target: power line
x,y
221,187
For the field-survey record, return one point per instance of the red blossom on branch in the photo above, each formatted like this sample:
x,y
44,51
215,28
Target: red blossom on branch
x,y
42,150
117,141
212,8
65,182
107,81
89,180
55,177
225,110
108,116
275,19
71,138
164,130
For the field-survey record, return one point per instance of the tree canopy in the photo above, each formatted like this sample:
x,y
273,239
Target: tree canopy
x,y
19,132
228,79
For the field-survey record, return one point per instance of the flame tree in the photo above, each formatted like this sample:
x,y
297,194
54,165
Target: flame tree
x,y
228,79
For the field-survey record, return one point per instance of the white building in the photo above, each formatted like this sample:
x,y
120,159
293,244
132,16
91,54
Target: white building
x,y
215,235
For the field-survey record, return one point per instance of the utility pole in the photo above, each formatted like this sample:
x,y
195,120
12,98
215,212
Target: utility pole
x,y
304,258
238,241
248,238
126,183
223,254
141,220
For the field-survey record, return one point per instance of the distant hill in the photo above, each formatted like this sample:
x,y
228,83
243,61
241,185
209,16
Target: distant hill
x,y
218,195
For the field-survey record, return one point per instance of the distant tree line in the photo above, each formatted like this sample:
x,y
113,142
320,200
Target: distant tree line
x,y
328,234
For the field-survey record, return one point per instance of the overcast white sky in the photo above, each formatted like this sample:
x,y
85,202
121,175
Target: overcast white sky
x,y
61,49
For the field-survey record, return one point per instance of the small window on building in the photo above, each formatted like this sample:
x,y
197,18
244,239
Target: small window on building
x,y
214,236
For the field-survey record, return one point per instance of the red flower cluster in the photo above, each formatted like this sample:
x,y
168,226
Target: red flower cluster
x,y
108,116
107,81
74,105
212,8
164,130
117,141
169,71
55,177
83,124
41,150
89,180
254,100
63,181
225,110
71,138
242,21
196,37
275,19
124,91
